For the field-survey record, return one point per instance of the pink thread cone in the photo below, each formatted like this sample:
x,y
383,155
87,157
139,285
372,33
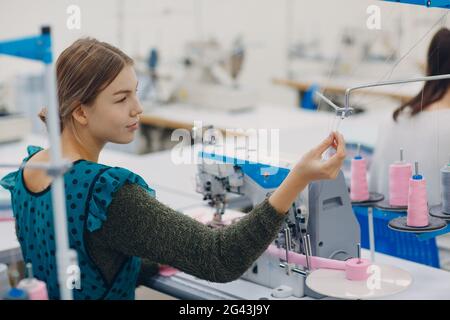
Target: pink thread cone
x,y
417,203
36,289
359,190
399,175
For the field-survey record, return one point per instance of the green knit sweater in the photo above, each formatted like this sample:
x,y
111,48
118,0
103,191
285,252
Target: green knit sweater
x,y
140,225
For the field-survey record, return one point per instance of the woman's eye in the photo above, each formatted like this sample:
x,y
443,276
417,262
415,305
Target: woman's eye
x,y
122,100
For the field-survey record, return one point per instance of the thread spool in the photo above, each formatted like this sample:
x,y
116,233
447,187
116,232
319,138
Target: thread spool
x,y
4,280
417,219
417,201
356,269
36,289
359,189
445,188
399,175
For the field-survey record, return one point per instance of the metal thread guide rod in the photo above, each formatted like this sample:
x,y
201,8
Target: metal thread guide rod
x,y
371,233
359,252
340,111
348,91
287,234
310,250
29,271
290,268
286,265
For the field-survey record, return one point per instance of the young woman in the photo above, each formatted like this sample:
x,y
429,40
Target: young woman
x,y
113,217
421,126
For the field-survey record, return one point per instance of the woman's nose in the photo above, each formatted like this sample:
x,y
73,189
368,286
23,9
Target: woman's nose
x,y
137,108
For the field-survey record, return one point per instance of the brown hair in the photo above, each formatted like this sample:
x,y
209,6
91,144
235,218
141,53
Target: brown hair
x,y
438,62
83,70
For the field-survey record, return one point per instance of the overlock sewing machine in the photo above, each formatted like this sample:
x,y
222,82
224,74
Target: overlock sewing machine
x,y
320,222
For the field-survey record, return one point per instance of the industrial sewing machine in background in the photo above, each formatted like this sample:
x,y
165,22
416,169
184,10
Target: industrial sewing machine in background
x,y
14,126
321,215
210,77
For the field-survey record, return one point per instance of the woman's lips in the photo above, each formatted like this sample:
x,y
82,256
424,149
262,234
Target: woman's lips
x,y
133,126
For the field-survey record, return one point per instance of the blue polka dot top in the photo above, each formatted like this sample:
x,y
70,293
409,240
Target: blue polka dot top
x,y
89,189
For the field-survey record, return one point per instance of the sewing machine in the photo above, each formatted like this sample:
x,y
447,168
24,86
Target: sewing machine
x,y
210,77
320,220
14,126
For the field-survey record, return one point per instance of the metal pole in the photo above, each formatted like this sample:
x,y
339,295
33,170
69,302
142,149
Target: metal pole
x,y
371,234
65,257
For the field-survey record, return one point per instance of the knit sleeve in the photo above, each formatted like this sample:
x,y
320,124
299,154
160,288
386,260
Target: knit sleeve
x,y
103,191
139,225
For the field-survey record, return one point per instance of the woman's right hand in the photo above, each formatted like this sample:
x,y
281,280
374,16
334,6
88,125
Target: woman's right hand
x,y
310,167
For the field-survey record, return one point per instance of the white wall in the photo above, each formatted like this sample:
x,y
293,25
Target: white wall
x,y
168,24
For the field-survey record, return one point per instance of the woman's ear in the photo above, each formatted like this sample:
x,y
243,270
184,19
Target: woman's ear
x,y
79,114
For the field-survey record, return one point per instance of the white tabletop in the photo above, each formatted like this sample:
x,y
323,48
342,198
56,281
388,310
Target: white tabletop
x,y
405,89
174,185
299,129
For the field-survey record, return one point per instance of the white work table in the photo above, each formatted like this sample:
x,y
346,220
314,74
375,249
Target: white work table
x,y
174,186
428,284
292,122
339,84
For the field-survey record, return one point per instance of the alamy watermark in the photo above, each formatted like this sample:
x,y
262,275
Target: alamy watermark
x,y
373,22
243,145
74,19
73,280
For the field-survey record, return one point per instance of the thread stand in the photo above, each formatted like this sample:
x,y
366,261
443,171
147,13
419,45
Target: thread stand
x,y
416,215
384,205
437,211
374,197
434,224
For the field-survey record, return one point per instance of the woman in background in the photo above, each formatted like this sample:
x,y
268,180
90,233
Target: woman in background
x,y
421,127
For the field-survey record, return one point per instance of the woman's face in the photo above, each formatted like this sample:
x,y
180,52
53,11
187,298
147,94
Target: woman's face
x,y
114,115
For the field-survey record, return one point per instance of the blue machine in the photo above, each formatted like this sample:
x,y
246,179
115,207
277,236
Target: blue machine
x,y
34,48
427,3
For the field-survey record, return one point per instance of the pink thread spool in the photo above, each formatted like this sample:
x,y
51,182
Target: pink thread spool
x,y
359,189
36,289
417,201
399,175
356,269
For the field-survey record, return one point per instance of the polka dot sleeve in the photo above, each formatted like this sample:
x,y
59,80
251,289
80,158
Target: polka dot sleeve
x,y
9,181
102,193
